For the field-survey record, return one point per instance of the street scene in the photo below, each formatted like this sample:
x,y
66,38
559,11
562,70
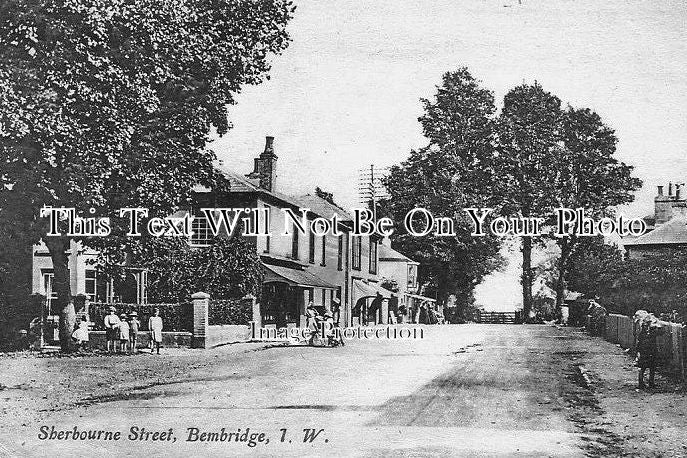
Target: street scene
x,y
466,390
343,228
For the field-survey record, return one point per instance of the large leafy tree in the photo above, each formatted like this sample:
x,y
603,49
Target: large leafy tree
x,y
587,175
108,104
529,143
451,173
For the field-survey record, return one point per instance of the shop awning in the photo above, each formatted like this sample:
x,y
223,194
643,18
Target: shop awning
x,y
363,289
294,277
422,298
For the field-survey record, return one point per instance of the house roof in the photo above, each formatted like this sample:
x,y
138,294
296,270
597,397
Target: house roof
x,y
239,183
673,232
386,253
324,208
317,205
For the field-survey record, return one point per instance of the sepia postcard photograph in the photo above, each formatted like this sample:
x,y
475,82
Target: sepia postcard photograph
x,y
318,228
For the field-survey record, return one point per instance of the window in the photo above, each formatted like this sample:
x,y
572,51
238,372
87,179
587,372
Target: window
x,y
412,276
104,289
324,250
324,297
50,293
268,224
294,242
339,259
373,256
202,236
311,255
357,251
91,285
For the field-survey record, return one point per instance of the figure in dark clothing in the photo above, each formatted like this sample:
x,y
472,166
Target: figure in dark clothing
x,y
647,347
424,314
375,306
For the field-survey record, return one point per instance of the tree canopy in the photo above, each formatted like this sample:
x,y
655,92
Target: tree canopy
x,y
453,171
108,104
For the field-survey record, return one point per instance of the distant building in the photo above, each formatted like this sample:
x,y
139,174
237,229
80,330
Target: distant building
x,y
404,271
669,228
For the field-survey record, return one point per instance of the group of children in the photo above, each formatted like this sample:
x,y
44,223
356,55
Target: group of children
x,y
121,332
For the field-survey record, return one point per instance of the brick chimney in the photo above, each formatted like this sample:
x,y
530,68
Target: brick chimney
x,y
680,203
265,167
663,205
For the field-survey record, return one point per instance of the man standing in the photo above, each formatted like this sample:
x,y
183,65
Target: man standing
x,y
647,347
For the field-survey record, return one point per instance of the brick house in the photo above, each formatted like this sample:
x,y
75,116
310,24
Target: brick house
x,y
667,226
299,268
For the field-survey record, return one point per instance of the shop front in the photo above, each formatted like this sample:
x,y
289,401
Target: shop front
x,y
286,293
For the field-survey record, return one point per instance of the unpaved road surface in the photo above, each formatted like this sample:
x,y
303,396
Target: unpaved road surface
x,y
463,390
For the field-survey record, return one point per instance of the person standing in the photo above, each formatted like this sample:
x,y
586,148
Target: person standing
x,y
81,333
124,335
311,322
647,347
336,311
155,328
112,329
134,325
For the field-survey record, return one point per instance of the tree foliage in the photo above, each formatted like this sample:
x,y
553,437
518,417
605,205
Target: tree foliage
x,y
657,283
529,142
451,173
108,104
531,159
228,269
553,158
587,175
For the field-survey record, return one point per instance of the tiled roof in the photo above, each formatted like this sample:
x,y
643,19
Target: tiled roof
x,y
670,233
239,183
324,208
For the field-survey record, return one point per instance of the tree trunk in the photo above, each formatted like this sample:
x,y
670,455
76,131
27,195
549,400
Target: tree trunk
x,y
58,247
526,277
560,282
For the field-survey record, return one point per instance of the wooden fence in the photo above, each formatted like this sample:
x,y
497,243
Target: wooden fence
x,y
496,317
672,341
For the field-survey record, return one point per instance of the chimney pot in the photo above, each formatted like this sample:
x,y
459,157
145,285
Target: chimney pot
x,y
677,192
265,167
660,190
670,189
269,145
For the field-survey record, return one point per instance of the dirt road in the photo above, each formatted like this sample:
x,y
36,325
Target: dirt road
x,y
467,390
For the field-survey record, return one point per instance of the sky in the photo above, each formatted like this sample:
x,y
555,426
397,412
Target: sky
x,y
346,93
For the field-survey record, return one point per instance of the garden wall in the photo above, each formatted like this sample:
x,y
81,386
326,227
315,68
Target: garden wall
x,y
169,339
224,334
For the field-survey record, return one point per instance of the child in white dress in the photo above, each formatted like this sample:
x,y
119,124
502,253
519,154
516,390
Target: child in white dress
x,y
124,334
81,333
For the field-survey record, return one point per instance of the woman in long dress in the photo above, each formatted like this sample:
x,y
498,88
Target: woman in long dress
x,y
155,328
